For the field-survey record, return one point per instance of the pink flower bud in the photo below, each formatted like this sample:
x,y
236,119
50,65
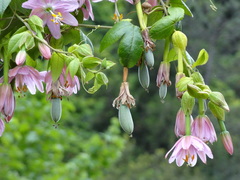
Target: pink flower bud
x,y
21,57
45,50
227,141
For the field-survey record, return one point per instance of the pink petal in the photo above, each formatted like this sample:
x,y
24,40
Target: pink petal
x,y
69,19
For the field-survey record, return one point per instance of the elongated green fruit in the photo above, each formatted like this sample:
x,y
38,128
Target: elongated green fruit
x,y
149,58
56,110
163,91
143,76
125,119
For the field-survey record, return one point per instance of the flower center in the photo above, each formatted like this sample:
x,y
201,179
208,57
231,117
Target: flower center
x,y
57,18
188,159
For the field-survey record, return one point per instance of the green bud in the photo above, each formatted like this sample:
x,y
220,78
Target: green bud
x,y
187,103
204,87
218,99
125,119
218,112
56,110
179,40
143,76
197,78
197,92
183,82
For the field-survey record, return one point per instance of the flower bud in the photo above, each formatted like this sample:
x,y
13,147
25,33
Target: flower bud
x,y
227,141
44,50
218,99
197,78
187,103
218,112
181,84
196,92
179,40
21,57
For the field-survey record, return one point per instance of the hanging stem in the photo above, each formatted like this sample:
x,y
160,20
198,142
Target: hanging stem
x,y
180,61
188,124
201,107
222,125
5,69
166,49
125,74
140,16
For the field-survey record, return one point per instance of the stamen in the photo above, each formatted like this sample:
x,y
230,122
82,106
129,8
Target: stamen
x,y
57,18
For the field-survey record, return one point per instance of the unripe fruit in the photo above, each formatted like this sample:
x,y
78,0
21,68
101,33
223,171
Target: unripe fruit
x,y
56,110
125,119
143,76
149,58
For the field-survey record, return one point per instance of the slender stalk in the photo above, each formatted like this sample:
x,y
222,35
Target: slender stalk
x,y
201,107
166,49
180,61
140,15
125,74
94,26
5,69
188,124
222,125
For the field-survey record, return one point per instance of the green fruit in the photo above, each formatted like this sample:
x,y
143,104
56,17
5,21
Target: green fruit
x,y
149,58
143,76
56,110
125,119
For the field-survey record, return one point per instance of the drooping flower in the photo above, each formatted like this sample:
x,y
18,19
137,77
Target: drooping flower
x,y
187,148
64,86
2,127
7,101
227,141
26,78
124,97
180,127
203,128
163,74
53,13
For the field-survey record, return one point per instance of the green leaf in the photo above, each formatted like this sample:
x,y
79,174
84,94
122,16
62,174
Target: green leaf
x,y
165,26
154,16
3,6
172,55
181,4
202,58
131,45
114,34
16,41
73,67
29,44
89,76
91,62
101,78
56,63
30,61
107,64
36,23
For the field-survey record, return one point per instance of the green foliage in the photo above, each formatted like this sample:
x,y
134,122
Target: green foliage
x,y
131,44
32,149
3,6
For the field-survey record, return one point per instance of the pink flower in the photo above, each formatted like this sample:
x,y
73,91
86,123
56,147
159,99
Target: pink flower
x,y
203,128
2,127
26,77
44,50
163,74
227,141
130,1
53,13
180,123
64,86
7,101
87,9
187,148
21,57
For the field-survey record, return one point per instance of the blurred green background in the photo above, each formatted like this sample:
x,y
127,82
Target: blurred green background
x,y
90,145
